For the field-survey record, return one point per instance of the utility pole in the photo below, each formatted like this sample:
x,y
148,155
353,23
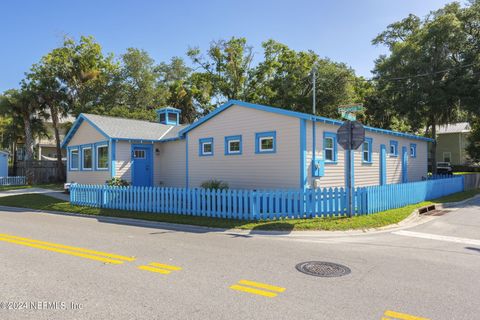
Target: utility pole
x,y
314,80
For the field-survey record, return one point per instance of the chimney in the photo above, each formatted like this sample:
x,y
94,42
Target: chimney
x,y
169,116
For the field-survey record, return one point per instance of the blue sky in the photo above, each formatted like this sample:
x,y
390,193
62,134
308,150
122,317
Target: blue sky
x,y
339,29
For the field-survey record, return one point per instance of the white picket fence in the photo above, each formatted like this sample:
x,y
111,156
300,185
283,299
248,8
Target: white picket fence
x,y
13,181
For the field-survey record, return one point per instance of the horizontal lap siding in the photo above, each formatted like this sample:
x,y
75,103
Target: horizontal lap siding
x,y
86,134
170,165
123,160
366,174
248,170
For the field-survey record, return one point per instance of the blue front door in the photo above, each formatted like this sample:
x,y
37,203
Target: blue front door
x,y
142,165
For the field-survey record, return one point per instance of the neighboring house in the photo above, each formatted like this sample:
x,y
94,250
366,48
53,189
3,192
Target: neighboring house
x,y
46,146
246,145
4,163
452,140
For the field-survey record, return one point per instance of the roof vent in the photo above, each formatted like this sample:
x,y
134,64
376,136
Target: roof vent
x,y
169,116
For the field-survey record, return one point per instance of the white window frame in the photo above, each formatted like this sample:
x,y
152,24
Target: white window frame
x,y
230,151
332,148
366,152
83,158
449,156
207,153
97,158
260,147
142,151
70,165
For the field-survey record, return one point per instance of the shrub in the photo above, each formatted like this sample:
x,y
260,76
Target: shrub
x,y
214,184
117,182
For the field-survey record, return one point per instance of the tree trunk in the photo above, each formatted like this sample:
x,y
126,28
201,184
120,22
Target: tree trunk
x,y
28,147
60,169
434,145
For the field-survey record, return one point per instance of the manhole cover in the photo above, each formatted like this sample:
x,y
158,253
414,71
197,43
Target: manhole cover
x,y
323,269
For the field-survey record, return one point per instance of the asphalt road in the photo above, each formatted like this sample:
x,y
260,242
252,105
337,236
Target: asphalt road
x,y
430,271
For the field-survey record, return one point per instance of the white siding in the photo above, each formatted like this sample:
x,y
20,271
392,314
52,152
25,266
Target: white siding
x,y
170,164
248,170
365,173
86,134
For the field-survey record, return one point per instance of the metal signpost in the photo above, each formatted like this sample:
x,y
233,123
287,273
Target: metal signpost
x,y
351,136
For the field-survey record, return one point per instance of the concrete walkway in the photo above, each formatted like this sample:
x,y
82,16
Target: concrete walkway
x,y
48,192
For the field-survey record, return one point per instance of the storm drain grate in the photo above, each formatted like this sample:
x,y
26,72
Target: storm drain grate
x,y
323,269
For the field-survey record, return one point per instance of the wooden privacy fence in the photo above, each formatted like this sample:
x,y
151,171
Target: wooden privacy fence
x,y
12,181
41,171
231,204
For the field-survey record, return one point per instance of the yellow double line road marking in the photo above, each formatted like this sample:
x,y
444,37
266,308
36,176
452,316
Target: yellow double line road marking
x,y
241,286
73,251
159,268
400,316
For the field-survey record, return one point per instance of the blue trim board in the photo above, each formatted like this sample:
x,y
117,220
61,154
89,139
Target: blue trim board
x,y
383,165
200,147
232,138
186,161
395,153
404,165
292,114
303,154
370,148
333,136
113,157
413,150
266,134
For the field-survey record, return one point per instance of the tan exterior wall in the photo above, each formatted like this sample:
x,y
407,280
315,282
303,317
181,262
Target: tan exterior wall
x,y
86,134
123,162
170,164
366,173
248,170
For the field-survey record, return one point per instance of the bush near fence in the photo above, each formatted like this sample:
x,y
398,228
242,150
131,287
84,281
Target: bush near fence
x,y
12,181
262,204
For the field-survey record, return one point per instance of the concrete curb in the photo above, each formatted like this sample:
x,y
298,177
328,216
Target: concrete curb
x,y
412,220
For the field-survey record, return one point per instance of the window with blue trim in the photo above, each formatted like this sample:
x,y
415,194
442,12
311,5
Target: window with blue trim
x,y
367,150
205,147
87,158
233,145
330,147
413,150
102,157
265,142
74,159
393,148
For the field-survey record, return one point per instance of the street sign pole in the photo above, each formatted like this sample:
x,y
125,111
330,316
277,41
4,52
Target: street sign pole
x,y
351,136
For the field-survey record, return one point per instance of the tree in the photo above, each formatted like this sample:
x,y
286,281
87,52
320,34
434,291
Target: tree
x,y
228,67
418,77
284,79
23,104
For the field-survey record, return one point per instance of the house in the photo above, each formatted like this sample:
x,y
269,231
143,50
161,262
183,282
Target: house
x,y
247,145
452,140
45,146
4,163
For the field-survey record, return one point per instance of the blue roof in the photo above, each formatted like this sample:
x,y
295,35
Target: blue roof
x,y
295,114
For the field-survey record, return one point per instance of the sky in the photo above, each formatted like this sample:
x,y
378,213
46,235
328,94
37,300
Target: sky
x,y
341,30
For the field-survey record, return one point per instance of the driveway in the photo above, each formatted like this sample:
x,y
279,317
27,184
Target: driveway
x,y
124,271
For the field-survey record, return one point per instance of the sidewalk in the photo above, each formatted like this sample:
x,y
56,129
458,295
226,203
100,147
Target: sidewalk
x,y
51,193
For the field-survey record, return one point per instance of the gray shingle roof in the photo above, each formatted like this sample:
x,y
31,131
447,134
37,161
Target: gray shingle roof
x,y
454,128
121,128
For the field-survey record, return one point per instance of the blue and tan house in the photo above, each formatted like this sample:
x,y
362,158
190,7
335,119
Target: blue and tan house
x,y
247,145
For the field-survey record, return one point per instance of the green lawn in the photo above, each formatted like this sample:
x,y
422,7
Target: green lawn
x,y
42,202
53,186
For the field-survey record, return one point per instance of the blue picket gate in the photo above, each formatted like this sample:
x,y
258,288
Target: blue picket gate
x,y
13,181
261,204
